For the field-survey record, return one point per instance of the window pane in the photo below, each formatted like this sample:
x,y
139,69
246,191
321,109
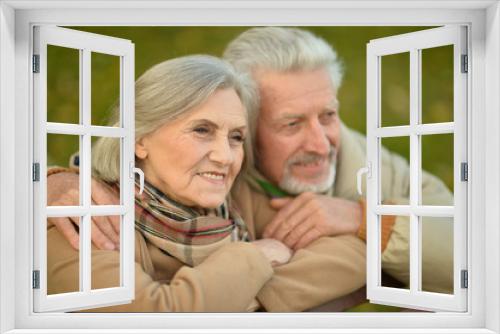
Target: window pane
x,y
63,87
105,87
60,148
437,84
396,263
106,167
394,149
437,254
395,86
437,159
63,261
106,262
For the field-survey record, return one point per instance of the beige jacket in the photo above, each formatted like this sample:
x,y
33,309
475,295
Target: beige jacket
x,y
227,281
437,233
327,269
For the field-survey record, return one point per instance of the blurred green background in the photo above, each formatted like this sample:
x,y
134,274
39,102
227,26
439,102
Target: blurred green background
x,y
156,44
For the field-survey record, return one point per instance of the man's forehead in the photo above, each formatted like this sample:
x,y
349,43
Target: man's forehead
x,y
291,93
294,86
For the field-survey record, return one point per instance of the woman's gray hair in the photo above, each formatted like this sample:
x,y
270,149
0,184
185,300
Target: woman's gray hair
x,y
167,91
282,49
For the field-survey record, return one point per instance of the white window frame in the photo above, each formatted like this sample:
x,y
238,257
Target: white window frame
x,y
16,20
414,43
86,44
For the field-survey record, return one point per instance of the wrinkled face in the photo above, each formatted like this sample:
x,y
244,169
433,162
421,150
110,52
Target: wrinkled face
x,y
196,158
298,129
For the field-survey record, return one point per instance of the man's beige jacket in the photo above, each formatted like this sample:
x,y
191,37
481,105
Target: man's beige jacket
x,y
437,233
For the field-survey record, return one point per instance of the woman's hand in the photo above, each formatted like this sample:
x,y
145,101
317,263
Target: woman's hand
x,y
276,252
63,190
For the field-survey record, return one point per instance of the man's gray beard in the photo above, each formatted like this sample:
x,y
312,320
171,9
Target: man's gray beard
x,y
295,187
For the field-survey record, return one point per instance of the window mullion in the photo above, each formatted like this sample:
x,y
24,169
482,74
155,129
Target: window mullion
x,y
127,191
415,158
85,170
84,297
372,220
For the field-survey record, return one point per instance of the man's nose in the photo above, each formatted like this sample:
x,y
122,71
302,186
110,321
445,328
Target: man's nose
x,y
316,139
221,152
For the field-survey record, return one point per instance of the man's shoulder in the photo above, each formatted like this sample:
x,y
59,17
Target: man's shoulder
x,y
352,157
244,192
353,137
353,141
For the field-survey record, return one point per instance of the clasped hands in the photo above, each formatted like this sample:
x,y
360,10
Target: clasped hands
x,y
299,220
309,216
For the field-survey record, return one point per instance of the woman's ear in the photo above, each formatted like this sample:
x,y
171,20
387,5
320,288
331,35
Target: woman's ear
x,y
140,149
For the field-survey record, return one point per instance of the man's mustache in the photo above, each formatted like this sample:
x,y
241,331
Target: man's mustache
x,y
309,157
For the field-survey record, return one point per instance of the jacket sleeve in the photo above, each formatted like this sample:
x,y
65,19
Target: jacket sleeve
x,y
328,268
227,281
437,233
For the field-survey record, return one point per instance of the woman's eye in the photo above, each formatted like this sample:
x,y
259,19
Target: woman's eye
x,y
238,138
201,130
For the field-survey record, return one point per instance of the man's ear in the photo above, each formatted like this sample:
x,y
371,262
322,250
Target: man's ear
x,y
140,149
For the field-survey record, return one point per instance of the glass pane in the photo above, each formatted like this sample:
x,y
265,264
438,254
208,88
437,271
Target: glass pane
x,y
105,87
437,159
63,260
395,89
63,85
62,189
106,168
396,263
437,254
437,84
106,257
393,148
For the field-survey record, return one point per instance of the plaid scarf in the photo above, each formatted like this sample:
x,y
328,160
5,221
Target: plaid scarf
x,y
188,234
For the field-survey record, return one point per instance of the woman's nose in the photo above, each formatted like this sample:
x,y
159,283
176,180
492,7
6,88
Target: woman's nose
x,y
221,152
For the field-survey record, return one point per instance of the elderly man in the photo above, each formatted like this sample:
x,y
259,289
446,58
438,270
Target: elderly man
x,y
302,188
304,181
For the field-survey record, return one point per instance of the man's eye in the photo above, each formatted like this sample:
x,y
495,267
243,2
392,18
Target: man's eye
x,y
292,124
328,116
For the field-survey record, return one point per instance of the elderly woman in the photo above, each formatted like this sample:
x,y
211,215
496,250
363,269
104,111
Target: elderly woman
x,y
191,250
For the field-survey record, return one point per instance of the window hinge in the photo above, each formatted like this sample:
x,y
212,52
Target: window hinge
x,y
464,171
36,63
36,171
36,279
465,279
465,64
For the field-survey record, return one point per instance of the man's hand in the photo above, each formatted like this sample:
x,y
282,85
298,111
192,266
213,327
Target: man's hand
x,y
309,216
63,190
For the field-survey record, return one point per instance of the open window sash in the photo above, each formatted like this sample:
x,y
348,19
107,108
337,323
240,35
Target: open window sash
x,y
85,44
414,43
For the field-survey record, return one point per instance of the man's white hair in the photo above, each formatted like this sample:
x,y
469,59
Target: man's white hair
x,y
283,50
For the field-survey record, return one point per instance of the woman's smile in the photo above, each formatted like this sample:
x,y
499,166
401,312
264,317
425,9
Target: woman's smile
x,y
216,178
